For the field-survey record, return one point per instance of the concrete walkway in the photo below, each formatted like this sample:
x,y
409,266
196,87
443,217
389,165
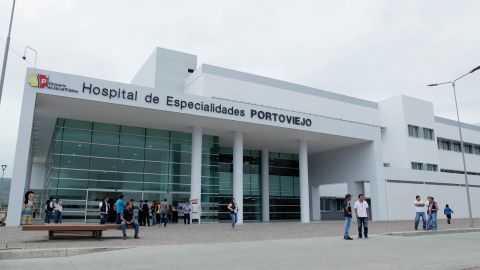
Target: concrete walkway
x,y
179,234
440,251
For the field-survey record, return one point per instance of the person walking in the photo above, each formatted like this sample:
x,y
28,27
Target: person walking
x,y
419,212
432,213
233,207
362,213
140,213
120,206
347,215
448,212
154,213
128,218
186,213
56,212
146,213
103,209
48,210
163,213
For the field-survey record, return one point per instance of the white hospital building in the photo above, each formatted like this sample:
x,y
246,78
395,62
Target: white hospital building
x,y
181,130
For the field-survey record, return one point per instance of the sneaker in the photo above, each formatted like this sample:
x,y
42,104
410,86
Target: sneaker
x,y
136,236
359,237
416,229
347,238
124,237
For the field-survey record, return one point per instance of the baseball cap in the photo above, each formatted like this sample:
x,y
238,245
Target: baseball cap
x,y
348,195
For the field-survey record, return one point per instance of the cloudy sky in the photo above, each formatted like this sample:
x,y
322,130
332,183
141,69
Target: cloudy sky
x,y
368,49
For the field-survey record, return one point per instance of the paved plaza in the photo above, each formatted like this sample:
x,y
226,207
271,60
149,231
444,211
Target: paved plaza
x,y
433,251
179,234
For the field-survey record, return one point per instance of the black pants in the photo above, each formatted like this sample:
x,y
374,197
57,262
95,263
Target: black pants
x,y
186,218
140,218
449,217
362,221
146,219
158,218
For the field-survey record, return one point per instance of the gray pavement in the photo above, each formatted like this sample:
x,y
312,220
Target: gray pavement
x,y
179,234
438,251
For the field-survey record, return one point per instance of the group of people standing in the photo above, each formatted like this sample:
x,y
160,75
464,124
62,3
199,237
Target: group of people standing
x,y
361,212
430,219
53,208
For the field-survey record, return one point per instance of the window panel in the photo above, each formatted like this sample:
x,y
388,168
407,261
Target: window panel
x,y
131,153
105,138
104,151
180,169
130,166
131,140
77,135
180,157
74,162
156,178
181,145
79,174
157,143
78,124
132,130
158,133
103,164
156,167
157,155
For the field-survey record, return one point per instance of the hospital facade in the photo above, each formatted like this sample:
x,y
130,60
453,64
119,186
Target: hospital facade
x,y
284,151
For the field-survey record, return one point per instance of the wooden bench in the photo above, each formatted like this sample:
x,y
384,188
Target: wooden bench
x,y
74,231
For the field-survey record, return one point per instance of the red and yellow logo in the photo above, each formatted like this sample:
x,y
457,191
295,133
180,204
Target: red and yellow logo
x,y
38,80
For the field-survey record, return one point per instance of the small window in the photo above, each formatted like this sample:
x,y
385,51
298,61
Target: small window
x,y
417,166
428,134
432,167
477,150
325,204
456,147
468,149
339,205
413,131
446,146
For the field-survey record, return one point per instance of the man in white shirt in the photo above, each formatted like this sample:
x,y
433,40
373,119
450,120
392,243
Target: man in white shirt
x,y
103,208
361,211
420,212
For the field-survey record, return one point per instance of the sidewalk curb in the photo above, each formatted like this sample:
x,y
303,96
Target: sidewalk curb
x,y
422,233
48,253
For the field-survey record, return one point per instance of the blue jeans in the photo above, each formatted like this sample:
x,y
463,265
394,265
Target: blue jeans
x,y
58,217
48,215
432,220
103,218
417,220
234,219
363,220
154,219
347,226
124,227
118,219
163,218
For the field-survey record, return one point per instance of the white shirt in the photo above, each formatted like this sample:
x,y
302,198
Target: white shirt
x,y
106,208
55,207
419,209
361,208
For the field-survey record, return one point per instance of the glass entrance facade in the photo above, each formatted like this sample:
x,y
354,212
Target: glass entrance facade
x,y
88,161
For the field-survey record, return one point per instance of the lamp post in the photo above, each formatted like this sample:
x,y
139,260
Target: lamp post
x,y
7,47
461,141
1,187
25,55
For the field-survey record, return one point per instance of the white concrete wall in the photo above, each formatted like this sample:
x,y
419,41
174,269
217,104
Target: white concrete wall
x,y
238,90
37,178
334,190
146,75
402,195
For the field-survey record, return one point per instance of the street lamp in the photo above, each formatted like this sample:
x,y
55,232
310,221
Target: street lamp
x,y
7,47
1,187
25,55
461,141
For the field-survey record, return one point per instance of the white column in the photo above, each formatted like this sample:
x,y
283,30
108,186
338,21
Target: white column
x,y
238,172
303,168
316,215
21,162
196,174
265,186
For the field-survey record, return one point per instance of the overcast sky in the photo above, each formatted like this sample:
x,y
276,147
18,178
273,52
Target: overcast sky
x,y
372,50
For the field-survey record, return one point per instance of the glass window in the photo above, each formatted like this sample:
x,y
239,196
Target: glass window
x,y
325,204
131,153
130,166
417,166
78,124
156,178
106,127
432,167
105,138
181,135
79,149
180,157
456,147
446,145
339,204
104,151
477,150
468,149
180,169
157,155
428,134
156,167
71,162
413,131
131,140
158,133
60,122
78,174
157,143
103,164
274,180
181,145
65,183
132,130
77,135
